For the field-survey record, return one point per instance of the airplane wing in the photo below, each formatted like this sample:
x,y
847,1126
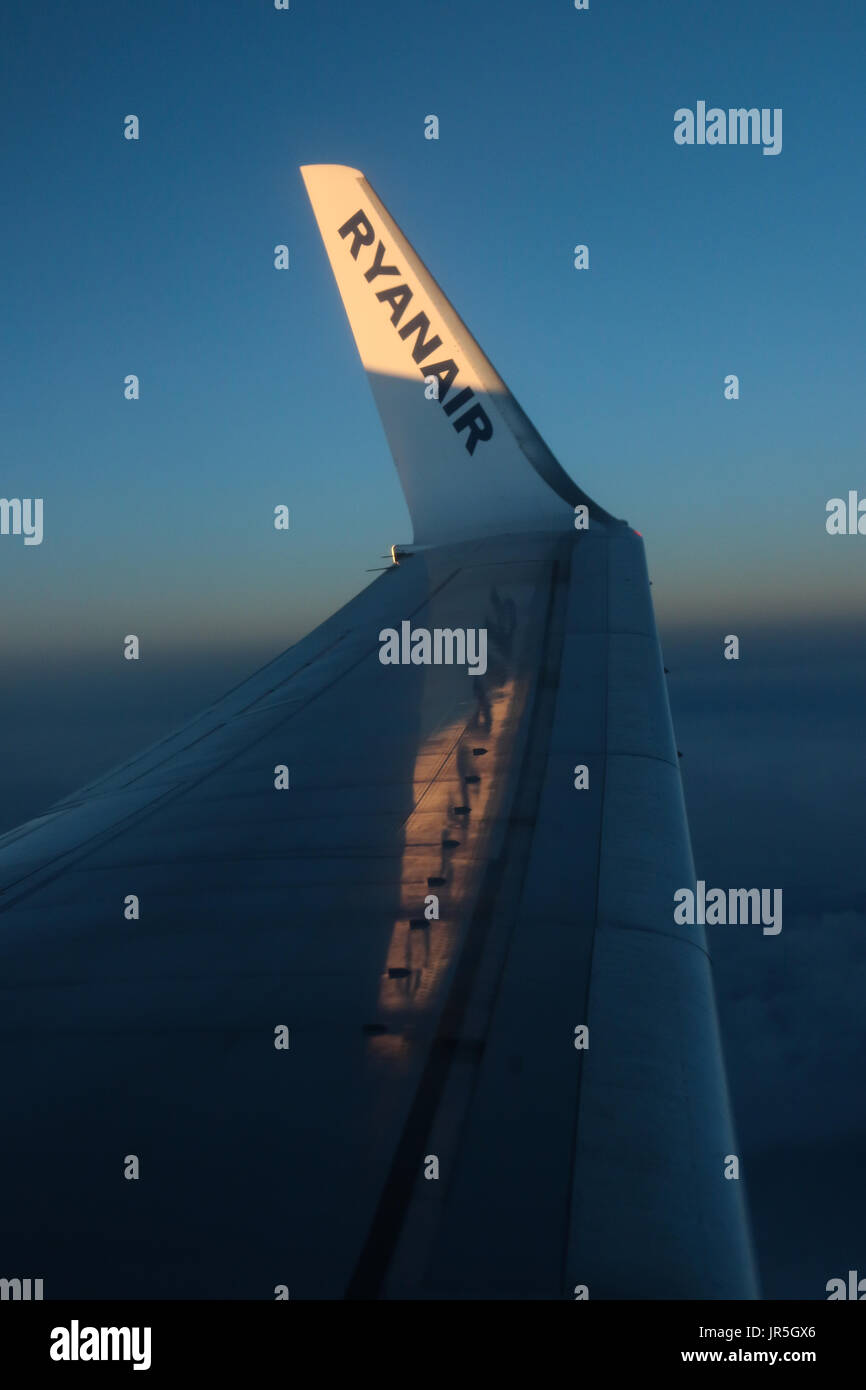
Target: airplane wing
x,y
366,983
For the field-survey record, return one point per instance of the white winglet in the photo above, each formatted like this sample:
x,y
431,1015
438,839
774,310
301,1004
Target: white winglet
x,y
470,461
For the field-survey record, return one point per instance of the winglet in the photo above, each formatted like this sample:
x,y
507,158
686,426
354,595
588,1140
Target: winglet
x,y
470,461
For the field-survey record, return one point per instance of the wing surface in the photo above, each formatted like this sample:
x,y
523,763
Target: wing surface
x,y
334,1022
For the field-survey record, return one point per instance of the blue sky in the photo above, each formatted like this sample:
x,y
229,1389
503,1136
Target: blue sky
x,y
556,128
